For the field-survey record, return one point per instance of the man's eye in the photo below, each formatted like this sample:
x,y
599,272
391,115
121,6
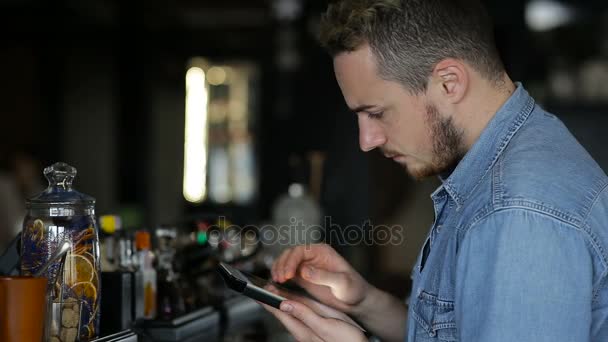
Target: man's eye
x,y
376,115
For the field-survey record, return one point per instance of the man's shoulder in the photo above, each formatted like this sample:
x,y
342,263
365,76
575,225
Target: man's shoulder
x,y
545,167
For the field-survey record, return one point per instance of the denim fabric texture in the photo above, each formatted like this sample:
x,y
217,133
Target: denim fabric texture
x,y
518,250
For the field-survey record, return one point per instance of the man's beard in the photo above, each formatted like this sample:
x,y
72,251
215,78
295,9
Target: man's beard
x,y
448,148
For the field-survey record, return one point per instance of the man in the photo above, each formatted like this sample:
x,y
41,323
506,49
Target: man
x,y
519,247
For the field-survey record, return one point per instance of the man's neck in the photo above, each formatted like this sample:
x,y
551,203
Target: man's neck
x,y
481,107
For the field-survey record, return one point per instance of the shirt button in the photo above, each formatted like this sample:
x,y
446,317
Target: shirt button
x,y
439,228
433,333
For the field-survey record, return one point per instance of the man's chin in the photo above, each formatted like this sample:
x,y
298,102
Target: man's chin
x,y
419,175
422,172
419,171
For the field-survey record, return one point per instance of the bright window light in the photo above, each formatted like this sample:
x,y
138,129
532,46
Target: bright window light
x,y
195,142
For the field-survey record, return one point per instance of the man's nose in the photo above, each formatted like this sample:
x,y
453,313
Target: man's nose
x,y
371,134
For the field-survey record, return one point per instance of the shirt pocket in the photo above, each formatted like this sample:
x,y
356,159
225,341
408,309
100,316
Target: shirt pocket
x,y
435,318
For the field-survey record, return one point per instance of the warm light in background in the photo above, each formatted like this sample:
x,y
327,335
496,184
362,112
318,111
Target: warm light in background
x,y
216,76
219,157
195,144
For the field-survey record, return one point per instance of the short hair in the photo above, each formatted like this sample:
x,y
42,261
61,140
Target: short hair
x,y
409,37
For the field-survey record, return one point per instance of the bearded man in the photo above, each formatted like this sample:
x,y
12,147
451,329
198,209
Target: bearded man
x,y
518,250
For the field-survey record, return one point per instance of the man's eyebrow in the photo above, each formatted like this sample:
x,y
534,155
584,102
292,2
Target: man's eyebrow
x,y
362,108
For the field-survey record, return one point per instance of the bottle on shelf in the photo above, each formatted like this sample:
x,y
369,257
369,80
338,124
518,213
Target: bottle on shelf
x,y
109,225
146,268
170,302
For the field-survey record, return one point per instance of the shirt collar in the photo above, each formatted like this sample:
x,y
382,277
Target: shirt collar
x,y
490,145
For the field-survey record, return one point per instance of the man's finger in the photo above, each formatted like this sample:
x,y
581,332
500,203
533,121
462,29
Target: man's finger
x,y
333,280
274,271
313,289
295,327
307,316
313,304
299,255
279,266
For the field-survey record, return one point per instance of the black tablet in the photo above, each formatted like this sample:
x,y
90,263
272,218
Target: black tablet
x,y
249,286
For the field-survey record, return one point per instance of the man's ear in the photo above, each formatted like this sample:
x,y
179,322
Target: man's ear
x,y
451,75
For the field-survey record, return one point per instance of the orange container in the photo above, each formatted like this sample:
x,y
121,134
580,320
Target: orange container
x,y
22,309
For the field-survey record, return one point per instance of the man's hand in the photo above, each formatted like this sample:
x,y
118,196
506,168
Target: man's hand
x,y
306,325
321,271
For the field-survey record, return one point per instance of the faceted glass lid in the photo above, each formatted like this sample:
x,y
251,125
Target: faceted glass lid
x,y
59,191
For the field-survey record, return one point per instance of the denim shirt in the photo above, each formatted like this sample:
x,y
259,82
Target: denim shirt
x,y
519,247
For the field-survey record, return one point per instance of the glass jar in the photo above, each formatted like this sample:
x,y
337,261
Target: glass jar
x,y
58,214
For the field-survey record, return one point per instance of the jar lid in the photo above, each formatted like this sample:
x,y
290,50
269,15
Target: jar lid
x,y
59,191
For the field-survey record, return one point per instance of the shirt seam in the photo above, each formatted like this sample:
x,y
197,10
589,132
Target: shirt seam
x,y
497,183
596,199
552,213
520,204
604,276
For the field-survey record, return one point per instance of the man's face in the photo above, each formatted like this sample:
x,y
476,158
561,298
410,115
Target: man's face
x,y
406,128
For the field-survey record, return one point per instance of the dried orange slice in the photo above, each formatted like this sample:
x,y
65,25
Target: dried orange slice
x,y
38,225
38,230
84,290
88,256
95,278
77,269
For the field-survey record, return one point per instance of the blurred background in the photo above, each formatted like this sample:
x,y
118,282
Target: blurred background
x,y
173,111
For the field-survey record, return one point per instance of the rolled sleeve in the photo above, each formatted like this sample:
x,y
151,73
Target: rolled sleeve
x,y
523,276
